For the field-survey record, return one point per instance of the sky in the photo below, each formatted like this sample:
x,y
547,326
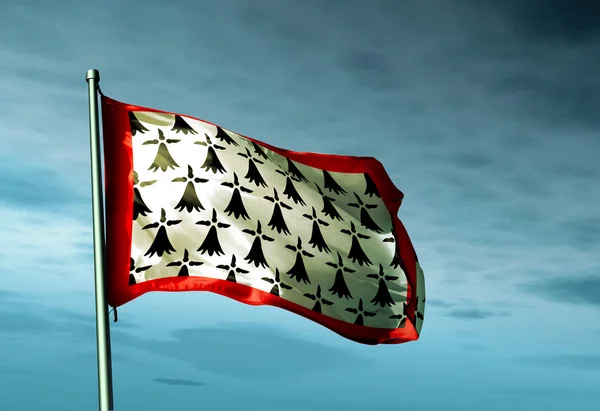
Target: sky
x,y
486,115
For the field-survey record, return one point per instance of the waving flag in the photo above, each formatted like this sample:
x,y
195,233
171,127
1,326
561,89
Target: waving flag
x,y
191,206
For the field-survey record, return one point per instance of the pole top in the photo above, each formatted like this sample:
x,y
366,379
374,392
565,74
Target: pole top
x,y
92,74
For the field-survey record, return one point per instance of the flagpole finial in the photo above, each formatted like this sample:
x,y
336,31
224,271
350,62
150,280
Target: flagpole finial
x,y
92,74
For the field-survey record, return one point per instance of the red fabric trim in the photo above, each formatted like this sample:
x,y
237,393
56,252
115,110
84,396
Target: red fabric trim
x,y
118,159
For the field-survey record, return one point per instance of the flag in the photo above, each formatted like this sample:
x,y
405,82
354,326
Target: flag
x,y
192,206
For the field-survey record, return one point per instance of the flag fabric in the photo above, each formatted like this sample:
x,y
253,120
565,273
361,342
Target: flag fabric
x,y
191,206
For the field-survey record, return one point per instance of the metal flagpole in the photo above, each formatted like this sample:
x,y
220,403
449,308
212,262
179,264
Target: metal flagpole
x,y
105,397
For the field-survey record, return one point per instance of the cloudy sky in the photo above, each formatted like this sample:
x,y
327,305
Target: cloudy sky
x,y
485,113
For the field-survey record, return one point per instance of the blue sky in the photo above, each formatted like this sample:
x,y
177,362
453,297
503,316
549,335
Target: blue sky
x,y
485,114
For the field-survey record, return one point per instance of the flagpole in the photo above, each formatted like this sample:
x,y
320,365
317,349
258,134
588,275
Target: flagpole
x,y
105,399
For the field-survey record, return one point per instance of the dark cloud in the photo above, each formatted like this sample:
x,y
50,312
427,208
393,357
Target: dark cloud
x,y
433,302
277,23
575,362
582,232
471,160
10,371
576,171
23,315
239,350
25,323
474,313
280,403
473,347
566,97
573,290
552,20
468,191
252,351
179,382
19,315
6,295
371,69
36,188
535,60
550,394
